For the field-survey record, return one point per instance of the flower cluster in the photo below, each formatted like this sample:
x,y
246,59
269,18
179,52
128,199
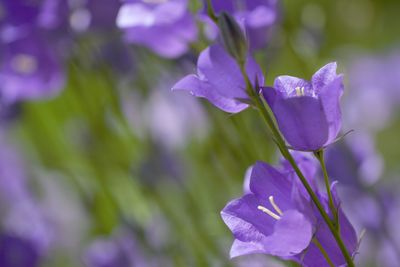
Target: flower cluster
x,y
283,212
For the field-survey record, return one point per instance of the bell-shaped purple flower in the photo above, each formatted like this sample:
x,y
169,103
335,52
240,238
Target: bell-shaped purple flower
x,y
220,80
271,219
166,27
276,217
256,16
29,69
312,256
308,113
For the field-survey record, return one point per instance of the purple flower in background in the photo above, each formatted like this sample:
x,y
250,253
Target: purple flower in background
x,y
308,113
18,17
271,219
166,27
220,80
256,16
355,161
94,15
374,86
29,69
17,252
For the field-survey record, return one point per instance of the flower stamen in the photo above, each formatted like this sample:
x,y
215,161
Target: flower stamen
x,y
299,91
277,209
270,213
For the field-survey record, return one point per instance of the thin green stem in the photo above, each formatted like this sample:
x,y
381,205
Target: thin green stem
x,y
280,142
320,156
323,251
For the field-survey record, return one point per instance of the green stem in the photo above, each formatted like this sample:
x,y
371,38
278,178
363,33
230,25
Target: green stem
x,y
320,156
323,251
280,142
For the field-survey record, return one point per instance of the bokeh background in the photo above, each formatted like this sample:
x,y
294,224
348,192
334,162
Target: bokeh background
x,y
114,167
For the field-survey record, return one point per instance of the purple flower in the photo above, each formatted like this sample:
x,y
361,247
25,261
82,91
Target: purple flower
x,y
308,113
256,16
270,219
166,27
374,86
19,17
29,69
355,161
277,218
312,256
220,80
17,252
96,15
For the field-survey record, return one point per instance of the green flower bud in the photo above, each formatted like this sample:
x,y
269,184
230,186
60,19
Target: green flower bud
x,y
233,37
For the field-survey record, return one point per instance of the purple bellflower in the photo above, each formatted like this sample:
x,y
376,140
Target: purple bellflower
x,y
256,16
29,69
269,219
165,27
308,113
220,80
277,218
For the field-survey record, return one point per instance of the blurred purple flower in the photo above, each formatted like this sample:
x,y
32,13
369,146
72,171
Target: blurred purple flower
x,y
374,87
95,15
29,69
220,80
174,119
17,252
19,17
308,113
354,161
256,16
166,27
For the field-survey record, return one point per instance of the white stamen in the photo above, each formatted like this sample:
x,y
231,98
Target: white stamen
x,y
299,91
277,209
270,213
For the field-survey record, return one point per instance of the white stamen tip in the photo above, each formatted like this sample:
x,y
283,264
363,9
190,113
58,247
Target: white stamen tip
x,y
277,209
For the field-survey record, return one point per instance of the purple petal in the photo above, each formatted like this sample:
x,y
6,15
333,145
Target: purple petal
x,y
324,76
246,221
302,122
287,86
202,88
266,181
292,234
223,72
330,101
240,248
269,94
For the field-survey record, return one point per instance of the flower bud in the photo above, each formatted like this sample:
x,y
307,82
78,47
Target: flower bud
x,y
233,37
